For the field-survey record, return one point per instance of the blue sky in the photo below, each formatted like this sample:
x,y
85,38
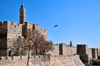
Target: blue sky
x,y
78,20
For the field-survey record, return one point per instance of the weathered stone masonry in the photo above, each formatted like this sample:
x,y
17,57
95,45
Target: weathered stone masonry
x,y
85,53
14,30
42,60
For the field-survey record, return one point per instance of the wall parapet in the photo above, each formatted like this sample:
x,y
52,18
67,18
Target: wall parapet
x,y
11,23
43,30
33,58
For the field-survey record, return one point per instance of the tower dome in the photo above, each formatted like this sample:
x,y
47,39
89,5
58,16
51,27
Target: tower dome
x,y
22,6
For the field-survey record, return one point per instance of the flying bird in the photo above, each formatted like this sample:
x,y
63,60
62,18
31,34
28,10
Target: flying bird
x,y
55,26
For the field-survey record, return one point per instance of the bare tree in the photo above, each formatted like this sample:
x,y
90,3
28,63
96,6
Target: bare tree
x,y
18,46
45,47
38,43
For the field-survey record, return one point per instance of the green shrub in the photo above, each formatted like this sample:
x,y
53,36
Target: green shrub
x,y
95,62
99,57
16,55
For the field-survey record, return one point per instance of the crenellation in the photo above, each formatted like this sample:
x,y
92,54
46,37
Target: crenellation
x,y
16,57
11,23
1,23
15,23
43,30
47,58
37,24
9,58
20,25
94,53
4,23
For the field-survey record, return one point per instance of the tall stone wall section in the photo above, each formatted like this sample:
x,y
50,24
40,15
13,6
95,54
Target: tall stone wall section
x,y
11,32
55,51
97,52
14,30
94,53
82,50
62,49
67,50
34,27
90,53
3,28
71,50
3,38
66,60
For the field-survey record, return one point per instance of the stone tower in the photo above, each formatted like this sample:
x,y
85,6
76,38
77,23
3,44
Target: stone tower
x,y
22,14
82,50
71,43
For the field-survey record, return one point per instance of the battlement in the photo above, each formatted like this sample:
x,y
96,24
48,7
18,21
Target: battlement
x,y
62,44
4,22
93,48
33,58
43,30
10,23
56,44
63,56
31,25
81,45
37,24
14,24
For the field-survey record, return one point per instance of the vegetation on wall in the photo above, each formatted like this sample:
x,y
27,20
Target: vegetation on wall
x,y
95,62
99,57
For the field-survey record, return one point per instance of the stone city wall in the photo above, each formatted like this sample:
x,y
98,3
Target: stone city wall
x,y
97,52
94,53
42,60
55,51
3,28
39,58
67,50
3,38
14,30
66,60
3,46
82,50
62,49
34,27
71,50
90,53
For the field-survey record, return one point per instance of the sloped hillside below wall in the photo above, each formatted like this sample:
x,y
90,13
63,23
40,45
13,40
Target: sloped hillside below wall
x,y
54,60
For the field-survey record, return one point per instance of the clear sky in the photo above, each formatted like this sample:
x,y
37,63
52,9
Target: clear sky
x,y
78,20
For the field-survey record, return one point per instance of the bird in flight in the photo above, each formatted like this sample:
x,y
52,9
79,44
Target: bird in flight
x,y
55,26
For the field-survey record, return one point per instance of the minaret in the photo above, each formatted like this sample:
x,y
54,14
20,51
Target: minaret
x,y
22,14
71,43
